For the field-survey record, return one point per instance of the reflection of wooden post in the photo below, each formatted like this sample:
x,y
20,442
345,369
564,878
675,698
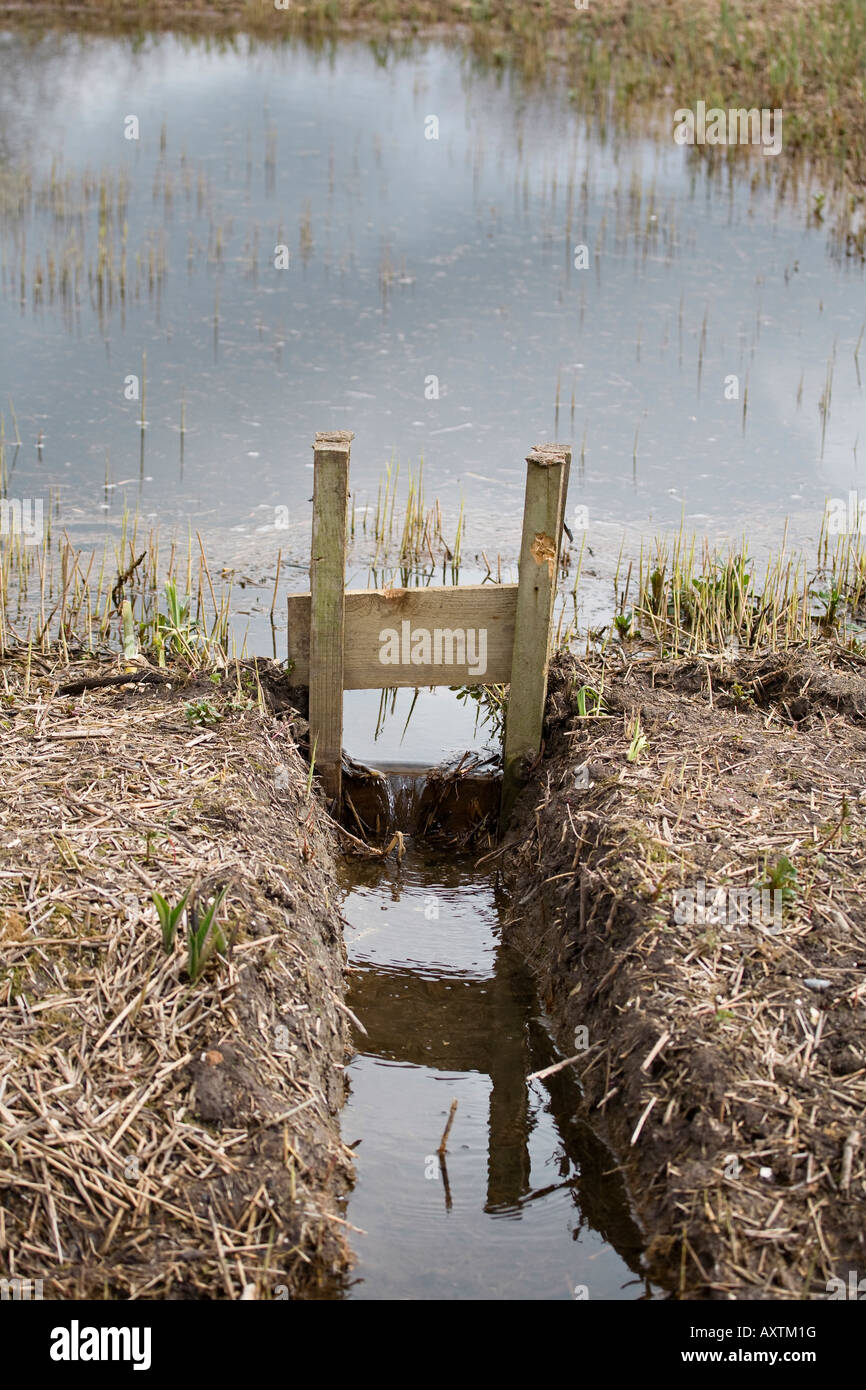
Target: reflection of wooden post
x,y
327,603
509,1009
544,507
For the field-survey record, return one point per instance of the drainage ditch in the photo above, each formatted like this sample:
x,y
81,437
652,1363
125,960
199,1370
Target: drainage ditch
x,y
526,1203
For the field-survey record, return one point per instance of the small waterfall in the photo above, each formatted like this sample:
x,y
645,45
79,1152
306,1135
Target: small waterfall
x,y
452,804
404,790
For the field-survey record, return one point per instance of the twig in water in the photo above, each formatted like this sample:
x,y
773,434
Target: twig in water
x,y
396,839
443,1145
557,1066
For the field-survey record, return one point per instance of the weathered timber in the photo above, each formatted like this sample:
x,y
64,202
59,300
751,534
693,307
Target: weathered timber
x,y
471,608
544,507
327,603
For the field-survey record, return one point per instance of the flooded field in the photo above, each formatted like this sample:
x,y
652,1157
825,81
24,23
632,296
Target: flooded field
x,y
281,248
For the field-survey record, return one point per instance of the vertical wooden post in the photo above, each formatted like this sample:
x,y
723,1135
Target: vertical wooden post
x,y
546,488
327,603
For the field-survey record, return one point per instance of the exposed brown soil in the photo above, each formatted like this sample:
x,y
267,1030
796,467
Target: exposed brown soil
x,y
163,1138
726,1060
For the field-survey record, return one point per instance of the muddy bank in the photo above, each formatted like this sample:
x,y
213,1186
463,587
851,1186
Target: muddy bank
x,y
724,1051
163,1136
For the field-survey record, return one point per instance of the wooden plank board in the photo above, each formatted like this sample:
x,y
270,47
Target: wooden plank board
x,y
546,488
327,603
415,637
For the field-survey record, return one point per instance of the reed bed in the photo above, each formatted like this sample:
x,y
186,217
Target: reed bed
x,y
407,534
53,593
690,598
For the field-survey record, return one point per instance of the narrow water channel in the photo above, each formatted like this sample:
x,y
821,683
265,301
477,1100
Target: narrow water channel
x,y
527,1204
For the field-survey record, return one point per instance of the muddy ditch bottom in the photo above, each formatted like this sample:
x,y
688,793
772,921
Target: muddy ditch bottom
x,y
526,1203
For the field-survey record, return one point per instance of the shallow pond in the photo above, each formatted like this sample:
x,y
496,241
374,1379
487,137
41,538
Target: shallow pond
x,y
430,300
